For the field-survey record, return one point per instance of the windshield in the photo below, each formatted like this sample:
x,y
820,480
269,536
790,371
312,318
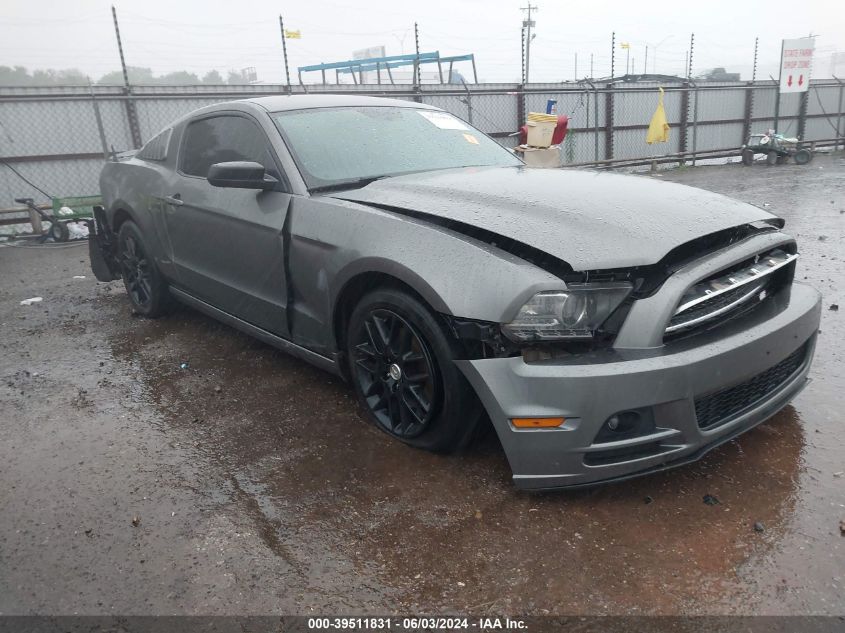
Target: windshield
x,y
350,145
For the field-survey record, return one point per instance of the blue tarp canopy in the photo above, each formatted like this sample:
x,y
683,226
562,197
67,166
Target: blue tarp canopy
x,y
353,64
377,64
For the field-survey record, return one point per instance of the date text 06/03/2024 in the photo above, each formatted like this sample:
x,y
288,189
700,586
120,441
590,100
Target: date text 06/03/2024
x,y
416,623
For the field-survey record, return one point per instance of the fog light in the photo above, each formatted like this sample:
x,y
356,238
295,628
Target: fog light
x,y
537,423
626,425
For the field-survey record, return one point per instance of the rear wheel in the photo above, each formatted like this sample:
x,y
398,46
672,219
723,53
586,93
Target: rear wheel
x,y
747,157
402,369
772,158
144,284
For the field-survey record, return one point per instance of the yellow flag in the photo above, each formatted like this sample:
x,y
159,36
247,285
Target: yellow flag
x,y
293,35
658,129
625,45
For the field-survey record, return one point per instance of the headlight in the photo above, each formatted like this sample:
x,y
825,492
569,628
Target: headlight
x,y
574,313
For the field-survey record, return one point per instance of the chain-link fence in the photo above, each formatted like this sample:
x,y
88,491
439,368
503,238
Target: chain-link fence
x,y
53,140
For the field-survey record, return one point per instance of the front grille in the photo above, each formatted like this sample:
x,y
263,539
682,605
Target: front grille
x,y
719,303
717,408
731,292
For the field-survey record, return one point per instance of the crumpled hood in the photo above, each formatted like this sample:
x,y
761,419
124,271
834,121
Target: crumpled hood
x,y
592,220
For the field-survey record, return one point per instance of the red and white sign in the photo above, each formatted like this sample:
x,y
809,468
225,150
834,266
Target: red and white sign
x,y
796,64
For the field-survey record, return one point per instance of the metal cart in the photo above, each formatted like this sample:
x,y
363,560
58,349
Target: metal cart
x,y
73,209
777,149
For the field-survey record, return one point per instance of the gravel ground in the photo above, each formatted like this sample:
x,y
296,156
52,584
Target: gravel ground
x,y
248,483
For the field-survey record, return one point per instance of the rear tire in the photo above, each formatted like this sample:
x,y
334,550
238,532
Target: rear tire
x,y
747,157
59,231
400,362
772,158
147,289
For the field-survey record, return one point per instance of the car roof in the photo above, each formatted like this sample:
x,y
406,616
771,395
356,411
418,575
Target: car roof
x,y
281,103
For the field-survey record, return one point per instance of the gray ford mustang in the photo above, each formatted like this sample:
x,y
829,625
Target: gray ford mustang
x,y
607,325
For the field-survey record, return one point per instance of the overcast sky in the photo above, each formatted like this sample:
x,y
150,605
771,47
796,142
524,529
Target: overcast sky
x,y
198,35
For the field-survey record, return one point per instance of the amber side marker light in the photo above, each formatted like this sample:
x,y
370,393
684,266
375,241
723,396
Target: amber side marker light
x,y
537,423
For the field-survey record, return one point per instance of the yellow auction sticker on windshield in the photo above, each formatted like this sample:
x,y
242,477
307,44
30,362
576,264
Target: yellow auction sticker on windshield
x,y
471,139
442,120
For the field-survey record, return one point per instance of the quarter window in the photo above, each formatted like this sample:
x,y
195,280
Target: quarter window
x,y
223,139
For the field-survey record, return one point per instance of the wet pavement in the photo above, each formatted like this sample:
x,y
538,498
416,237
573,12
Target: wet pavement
x,y
248,483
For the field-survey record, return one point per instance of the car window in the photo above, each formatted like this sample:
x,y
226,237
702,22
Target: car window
x,y
335,145
156,147
222,139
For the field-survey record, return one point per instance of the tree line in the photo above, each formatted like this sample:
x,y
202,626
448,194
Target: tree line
x,y
21,76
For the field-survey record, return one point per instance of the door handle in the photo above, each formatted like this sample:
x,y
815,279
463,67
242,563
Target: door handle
x,y
174,200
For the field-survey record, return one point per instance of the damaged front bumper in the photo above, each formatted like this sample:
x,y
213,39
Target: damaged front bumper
x,y
765,356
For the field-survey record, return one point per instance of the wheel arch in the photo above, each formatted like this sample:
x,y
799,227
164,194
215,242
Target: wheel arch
x,y
119,212
364,278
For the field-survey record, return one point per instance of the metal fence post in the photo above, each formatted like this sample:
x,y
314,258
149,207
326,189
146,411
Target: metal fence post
x,y
608,115
520,106
749,109
694,124
684,123
802,114
468,100
840,133
104,145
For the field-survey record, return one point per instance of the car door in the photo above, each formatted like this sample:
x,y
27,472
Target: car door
x,y
227,243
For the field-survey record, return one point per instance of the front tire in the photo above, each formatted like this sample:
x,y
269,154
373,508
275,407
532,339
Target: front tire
x,y
772,158
803,156
747,157
400,361
144,284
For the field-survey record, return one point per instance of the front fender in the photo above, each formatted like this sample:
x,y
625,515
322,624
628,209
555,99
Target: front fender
x,y
332,242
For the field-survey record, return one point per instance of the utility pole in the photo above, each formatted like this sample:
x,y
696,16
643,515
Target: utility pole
x,y
120,48
417,60
691,48
591,66
645,64
522,45
131,115
285,51
612,55
576,67
754,68
528,25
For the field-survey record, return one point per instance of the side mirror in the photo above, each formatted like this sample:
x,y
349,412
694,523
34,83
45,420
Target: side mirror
x,y
240,175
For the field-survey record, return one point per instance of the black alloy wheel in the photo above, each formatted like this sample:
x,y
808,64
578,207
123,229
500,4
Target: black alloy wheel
x,y
136,271
395,373
145,286
400,359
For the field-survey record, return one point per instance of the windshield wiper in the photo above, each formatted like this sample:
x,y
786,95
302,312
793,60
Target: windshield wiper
x,y
354,183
